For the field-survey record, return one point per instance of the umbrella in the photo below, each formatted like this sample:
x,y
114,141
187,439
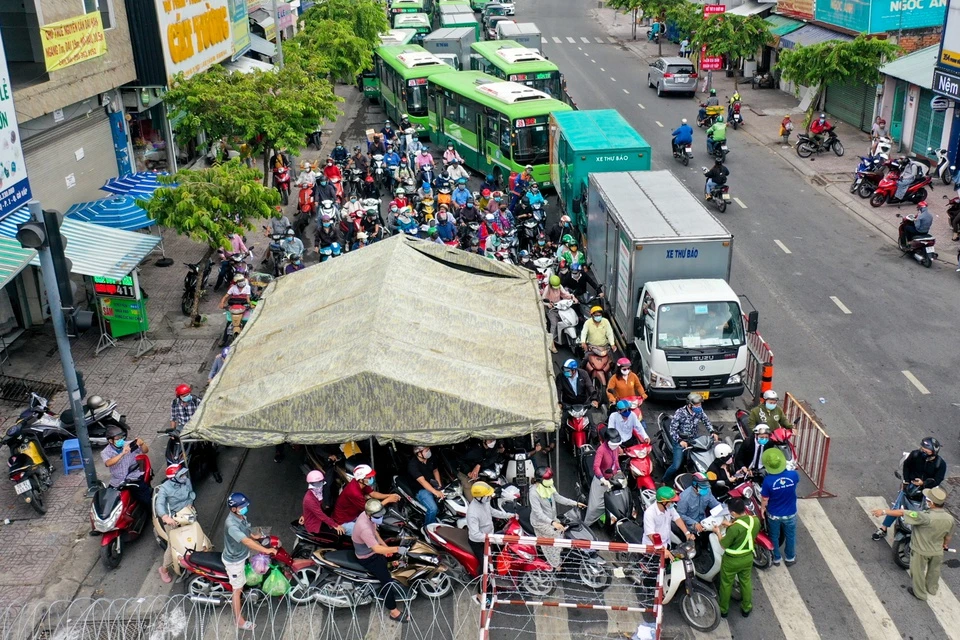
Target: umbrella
x,y
117,212
138,185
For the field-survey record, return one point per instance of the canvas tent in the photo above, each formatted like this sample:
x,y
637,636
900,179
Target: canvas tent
x,y
404,340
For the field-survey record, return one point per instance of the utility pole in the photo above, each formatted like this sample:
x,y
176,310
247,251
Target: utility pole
x,y
276,18
34,235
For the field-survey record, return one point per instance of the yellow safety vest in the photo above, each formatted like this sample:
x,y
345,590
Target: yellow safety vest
x,y
746,546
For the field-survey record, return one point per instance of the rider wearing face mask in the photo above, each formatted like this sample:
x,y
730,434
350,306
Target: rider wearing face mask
x,y
605,466
183,407
480,514
748,458
173,496
355,495
695,502
769,412
480,458
313,515
684,427
326,234
426,479
625,384
544,499
372,552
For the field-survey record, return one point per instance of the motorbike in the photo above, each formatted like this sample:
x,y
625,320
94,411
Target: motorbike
x,y
230,265
52,429
276,254
736,118
577,427
427,174
591,569
118,518
452,508
544,268
520,469
190,280
885,193
618,501
698,600
29,467
569,320
869,173
922,247
683,153
329,208
598,364
338,185
910,500
806,146
199,456
281,181
711,115
355,181
379,172
699,455
719,151
945,170
749,492
186,536
236,312
719,195
405,224
640,465
306,208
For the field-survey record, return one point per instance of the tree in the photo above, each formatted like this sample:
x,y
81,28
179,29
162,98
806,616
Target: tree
x,y
265,109
831,62
210,205
366,19
734,36
629,6
329,48
656,9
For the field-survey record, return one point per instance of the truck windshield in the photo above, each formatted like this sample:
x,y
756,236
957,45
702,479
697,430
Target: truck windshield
x,y
696,325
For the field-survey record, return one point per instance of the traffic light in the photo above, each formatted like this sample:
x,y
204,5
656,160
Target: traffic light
x,y
78,321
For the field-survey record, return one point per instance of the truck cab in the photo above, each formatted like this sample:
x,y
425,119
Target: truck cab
x,y
691,336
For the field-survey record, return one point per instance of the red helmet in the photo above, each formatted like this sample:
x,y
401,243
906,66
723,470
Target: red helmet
x,y
922,203
485,193
183,390
172,470
623,362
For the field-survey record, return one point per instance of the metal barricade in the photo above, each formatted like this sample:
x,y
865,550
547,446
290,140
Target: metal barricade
x,y
811,444
759,373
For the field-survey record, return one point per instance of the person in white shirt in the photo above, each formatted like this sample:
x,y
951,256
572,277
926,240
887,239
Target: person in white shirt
x,y
658,517
308,176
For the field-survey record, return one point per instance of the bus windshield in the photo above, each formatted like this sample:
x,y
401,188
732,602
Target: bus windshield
x,y
417,99
530,144
698,325
550,84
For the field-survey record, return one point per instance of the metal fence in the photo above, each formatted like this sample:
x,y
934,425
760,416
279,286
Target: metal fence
x,y
759,373
812,444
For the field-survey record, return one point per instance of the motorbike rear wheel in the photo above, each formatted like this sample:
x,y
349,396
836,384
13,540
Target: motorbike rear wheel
x,y
762,557
878,200
186,303
112,553
201,586
301,589
700,610
866,190
436,587
804,149
721,205
838,148
36,501
538,583
686,159
919,196
927,261
594,576
901,552
947,178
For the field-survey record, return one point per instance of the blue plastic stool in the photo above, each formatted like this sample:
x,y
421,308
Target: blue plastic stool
x,y
69,447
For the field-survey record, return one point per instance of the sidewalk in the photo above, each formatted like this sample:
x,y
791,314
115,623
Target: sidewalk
x,y
763,109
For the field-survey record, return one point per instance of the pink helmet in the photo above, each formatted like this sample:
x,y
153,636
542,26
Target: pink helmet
x,y
314,477
623,362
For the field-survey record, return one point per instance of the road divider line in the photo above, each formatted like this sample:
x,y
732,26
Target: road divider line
x,y
913,380
612,79
740,202
612,40
944,605
796,623
543,41
840,305
580,49
571,40
594,61
659,124
641,106
602,69
599,40
556,39
585,39
855,586
782,246
626,92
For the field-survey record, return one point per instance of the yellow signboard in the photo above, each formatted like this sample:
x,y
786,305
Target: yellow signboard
x,y
71,41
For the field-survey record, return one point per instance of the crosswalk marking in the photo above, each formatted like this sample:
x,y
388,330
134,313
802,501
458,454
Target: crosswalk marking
x,y
612,39
543,40
944,605
720,633
585,39
796,623
855,586
599,40
556,39
571,40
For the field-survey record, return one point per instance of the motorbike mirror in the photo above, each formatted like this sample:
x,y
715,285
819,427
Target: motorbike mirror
x,y
897,474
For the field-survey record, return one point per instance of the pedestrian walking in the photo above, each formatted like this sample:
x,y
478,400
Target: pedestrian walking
x,y
932,530
684,48
779,496
737,561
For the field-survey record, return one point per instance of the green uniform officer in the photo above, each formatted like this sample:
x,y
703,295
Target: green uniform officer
x,y
737,559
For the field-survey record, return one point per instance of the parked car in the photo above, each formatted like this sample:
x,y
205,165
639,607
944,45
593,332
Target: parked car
x,y
672,75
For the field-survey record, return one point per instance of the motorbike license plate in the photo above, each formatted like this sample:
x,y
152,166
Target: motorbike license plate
x,y
689,151
22,487
704,394
726,197
115,415
723,147
929,249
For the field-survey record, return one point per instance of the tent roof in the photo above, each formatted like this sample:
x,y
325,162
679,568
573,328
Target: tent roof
x,y
404,340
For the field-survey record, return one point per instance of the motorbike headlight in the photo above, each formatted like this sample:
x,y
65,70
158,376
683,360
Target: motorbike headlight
x,y
748,492
736,378
110,522
661,381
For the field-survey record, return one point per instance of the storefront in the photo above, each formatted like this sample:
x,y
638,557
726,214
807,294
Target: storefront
x,y
852,102
916,121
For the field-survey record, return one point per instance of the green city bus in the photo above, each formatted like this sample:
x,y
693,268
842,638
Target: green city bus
x,y
509,60
497,126
408,6
402,71
419,23
369,81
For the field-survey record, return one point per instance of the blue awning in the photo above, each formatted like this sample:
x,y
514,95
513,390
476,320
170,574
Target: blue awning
x,y
10,222
811,34
138,185
117,212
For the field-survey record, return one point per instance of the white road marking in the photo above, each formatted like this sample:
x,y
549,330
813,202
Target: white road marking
x,y
602,69
626,92
612,79
855,586
841,306
571,40
659,124
944,605
641,106
782,246
919,385
720,633
612,39
796,623
585,39
586,54
599,40
580,49
543,40
740,202
551,622
594,61
466,612
556,39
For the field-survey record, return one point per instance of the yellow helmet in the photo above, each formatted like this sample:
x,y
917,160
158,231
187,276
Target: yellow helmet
x,y
481,490
594,310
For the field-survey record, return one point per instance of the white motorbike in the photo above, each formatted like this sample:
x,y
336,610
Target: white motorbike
x,y
568,322
186,536
944,169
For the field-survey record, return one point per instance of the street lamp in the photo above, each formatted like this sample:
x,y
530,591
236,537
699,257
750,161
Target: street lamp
x,y
33,235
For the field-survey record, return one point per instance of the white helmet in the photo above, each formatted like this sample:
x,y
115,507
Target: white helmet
x,y
770,395
684,121
362,472
761,428
722,451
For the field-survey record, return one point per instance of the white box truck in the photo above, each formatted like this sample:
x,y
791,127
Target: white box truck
x,y
526,33
664,263
452,45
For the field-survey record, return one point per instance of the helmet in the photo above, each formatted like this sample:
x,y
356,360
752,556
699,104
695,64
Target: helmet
x,y
529,167
113,431
570,364
374,508
238,277
922,204
564,219
363,471
722,451
612,436
183,390
173,469
335,247
761,428
666,494
485,193
95,402
770,395
700,479
575,267
481,490
543,473
524,253
623,362
555,281
932,444
713,92
596,309
490,178
509,494
489,217
623,405
314,477
719,118
567,239
694,398
237,500
361,235
398,192
683,121
823,116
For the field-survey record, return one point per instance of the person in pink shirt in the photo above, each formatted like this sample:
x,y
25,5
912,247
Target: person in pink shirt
x,y
605,466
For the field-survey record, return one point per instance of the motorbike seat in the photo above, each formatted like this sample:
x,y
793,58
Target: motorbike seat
x,y
208,560
523,513
683,481
457,537
630,531
346,559
923,237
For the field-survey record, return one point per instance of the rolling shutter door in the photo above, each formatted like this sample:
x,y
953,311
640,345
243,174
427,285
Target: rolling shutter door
x,y
852,102
929,129
50,157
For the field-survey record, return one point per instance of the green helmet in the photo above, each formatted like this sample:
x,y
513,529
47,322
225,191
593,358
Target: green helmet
x,y
555,281
713,92
719,118
666,494
568,239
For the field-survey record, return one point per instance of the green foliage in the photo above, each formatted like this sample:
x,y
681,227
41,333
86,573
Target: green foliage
x,y
364,18
733,36
330,48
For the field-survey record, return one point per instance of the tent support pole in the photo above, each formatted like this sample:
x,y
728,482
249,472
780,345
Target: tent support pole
x,y
373,460
556,459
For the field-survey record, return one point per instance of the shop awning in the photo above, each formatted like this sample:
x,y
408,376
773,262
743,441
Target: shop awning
x,y
782,25
116,212
13,259
262,46
915,67
811,34
243,64
750,8
101,251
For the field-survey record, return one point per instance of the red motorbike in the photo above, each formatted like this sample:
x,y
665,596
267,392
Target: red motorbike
x,y
736,119
641,466
281,180
922,248
887,189
749,492
306,208
118,518
577,427
210,584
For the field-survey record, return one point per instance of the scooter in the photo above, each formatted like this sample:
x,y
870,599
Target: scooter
x,y
736,118
719,150
683,153
944,169
329,208
577,427
806,146
719,195
186,536
190,284
118,518
640,465
922,247
699,455
706,562
52,429
598,364
520,469
236,315
308,542
379,170
698,601
912,500
200,455
306,208
230,265
885,193
544,267
868,175
711,115
452,509
567,326
355,180
281,181
618,501
749,492
29,468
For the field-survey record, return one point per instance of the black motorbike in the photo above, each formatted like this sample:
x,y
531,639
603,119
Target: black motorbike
x,y
720,150
230,265
190,284
807,146
29,468
683,152
52,429
200,455
902,531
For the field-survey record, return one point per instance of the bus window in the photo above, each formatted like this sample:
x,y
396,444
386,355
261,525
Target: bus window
x,y
530,144
417,97
432,101
505,136
468,117
451,109
492,132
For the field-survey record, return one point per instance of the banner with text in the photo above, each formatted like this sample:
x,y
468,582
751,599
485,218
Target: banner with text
x,y
14,187
73,40
240,27
194,35
949,59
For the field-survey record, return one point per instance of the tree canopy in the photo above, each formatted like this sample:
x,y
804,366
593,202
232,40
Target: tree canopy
x,y
733,36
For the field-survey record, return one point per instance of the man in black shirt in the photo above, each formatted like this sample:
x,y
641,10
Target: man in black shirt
x,y
426,478
923,468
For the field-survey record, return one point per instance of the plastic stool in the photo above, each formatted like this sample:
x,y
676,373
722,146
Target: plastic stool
x,y
69,447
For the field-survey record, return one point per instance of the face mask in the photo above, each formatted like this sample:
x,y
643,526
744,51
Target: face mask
x,y
770,405
187,398
327,225
698,410
469,205
427,454
614,447
625,372
490,445
703,491
353,199
377,521
323,183
541,243
597,318
547,483
569,374
119,443
369,481
243,510
576,276
762,441
625,413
